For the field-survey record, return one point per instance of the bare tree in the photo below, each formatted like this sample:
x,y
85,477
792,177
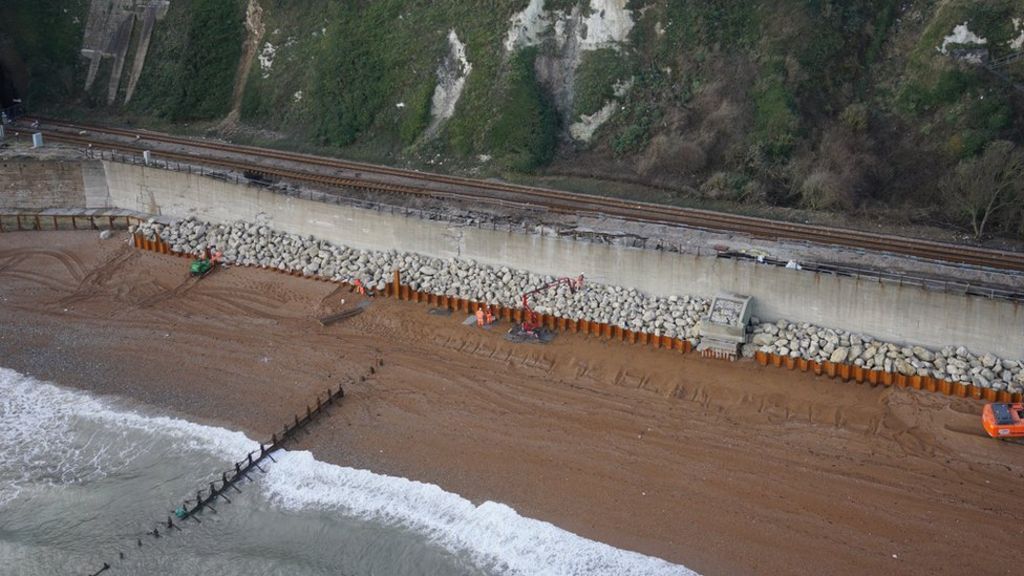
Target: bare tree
x,y
987,188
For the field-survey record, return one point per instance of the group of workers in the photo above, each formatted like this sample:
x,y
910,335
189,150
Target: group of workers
x,y
484,317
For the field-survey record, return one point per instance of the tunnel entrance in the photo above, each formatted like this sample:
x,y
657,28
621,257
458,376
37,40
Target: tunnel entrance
x,y
8,93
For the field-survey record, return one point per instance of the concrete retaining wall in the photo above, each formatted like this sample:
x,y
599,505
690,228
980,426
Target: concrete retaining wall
x,y
34,184
886,311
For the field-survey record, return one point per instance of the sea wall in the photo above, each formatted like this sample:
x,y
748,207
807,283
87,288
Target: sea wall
x,y
34,184
891,312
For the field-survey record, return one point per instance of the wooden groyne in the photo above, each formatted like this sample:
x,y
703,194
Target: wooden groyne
x,y
206,497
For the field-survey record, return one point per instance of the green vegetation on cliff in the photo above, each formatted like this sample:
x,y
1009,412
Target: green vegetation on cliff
x,y
839,105
46,37
525,133
190,70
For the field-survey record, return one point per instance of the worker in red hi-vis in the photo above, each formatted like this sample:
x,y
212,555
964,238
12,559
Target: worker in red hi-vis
x,y
359,287
490,317
480,317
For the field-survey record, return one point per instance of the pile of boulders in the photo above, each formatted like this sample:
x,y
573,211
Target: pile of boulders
x,y
954,364
250,244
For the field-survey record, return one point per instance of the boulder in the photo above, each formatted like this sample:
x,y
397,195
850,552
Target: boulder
x,y
923,354
905,368
839,355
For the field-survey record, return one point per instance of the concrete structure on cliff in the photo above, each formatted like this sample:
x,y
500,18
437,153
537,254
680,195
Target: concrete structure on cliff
x,y
108,34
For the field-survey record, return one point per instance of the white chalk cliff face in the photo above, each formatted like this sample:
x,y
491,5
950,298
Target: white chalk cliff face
x,y
961,35
451,79
527,27
606,25
609,24
1018,42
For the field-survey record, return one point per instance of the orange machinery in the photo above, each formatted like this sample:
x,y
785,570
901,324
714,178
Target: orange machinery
x,y
1003,420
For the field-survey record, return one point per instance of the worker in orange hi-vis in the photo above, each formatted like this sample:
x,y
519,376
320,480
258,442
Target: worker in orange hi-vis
x,y
480,317
359,287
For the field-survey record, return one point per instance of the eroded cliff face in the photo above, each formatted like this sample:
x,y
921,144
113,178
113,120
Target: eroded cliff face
x,y
566,36
832,105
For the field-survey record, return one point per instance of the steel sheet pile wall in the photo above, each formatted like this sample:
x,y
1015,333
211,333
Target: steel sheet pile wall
x,y
850,372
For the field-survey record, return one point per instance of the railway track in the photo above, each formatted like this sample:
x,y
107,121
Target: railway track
x,y
395,180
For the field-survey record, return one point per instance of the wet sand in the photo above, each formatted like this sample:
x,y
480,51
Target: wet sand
x,y
726,468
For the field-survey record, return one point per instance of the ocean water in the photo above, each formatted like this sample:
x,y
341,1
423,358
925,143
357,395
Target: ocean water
x,y
83,480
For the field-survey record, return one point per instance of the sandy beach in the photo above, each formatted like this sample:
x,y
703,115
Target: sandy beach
x,y
728,468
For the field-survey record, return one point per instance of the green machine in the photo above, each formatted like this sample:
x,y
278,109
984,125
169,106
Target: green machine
x,y
200,267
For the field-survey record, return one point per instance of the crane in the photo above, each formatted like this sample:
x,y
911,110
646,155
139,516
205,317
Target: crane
x,y
530,327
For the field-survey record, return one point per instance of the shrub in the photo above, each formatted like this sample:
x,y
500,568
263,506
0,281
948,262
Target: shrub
x,y
775,122
349,89
724,186
671,155
855,117
524,136
210,60
596,77
48,36
417,113
190,72
988,190
822,190
845,171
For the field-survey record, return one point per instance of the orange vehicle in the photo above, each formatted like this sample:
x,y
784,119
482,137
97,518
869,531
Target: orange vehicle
x,y
1003,420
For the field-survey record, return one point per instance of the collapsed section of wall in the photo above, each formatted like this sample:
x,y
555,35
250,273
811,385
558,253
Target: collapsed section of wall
x,y
888,311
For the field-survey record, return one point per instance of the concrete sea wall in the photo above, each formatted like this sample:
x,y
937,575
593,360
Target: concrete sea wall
x,y
31,184
904,314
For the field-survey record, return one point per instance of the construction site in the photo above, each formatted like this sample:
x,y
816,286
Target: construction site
x,y
732,396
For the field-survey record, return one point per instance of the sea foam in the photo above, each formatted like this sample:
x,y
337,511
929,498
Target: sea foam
x,y
494,535
35,417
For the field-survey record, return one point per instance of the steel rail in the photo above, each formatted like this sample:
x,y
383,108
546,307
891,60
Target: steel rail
x,y
534,197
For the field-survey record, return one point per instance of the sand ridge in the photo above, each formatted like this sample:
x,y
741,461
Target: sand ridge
x,y
726,468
